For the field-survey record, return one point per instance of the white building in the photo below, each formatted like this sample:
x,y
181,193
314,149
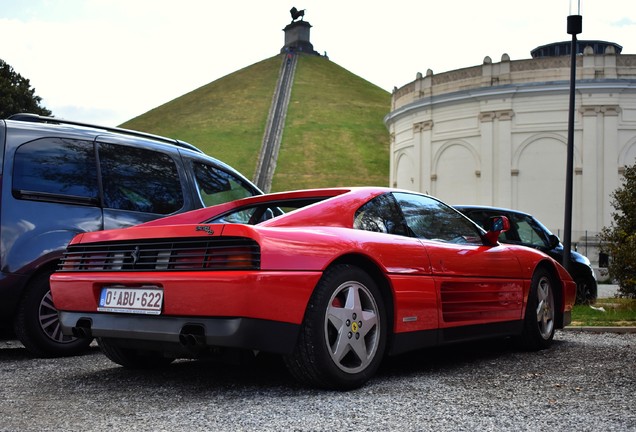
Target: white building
x,y
496,134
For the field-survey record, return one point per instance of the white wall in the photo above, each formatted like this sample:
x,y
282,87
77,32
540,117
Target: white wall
x,y
496,134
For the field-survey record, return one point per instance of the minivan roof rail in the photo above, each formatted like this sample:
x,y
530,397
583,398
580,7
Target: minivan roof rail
x,y
35,118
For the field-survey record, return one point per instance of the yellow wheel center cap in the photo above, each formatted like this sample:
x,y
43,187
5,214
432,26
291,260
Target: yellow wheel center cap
x,y
354,327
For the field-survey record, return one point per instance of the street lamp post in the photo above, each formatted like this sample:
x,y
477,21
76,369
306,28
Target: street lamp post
x,y
575,26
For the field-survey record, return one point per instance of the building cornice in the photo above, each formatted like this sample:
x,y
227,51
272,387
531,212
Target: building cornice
x,y
508,91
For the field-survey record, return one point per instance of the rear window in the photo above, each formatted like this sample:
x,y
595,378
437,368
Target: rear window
x,y
55,167
216,186
381,214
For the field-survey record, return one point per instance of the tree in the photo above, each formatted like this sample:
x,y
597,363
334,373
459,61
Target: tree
x,y
16,94
619,239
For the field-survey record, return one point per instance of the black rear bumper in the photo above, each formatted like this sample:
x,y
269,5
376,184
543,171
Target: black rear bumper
x,y
187,333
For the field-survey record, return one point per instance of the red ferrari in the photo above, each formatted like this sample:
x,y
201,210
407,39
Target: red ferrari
x,y
332,279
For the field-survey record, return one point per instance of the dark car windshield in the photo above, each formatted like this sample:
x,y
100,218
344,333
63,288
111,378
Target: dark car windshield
x,y
528,230
524,229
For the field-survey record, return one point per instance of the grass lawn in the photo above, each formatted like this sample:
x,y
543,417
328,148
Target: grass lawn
x,y
606,312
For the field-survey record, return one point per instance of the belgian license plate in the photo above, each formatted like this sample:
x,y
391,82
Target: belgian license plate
x,y
143,300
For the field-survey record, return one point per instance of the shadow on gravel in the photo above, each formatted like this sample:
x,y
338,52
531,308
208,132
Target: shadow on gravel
x,y
11,350
14,350
268,373
447,359
195,376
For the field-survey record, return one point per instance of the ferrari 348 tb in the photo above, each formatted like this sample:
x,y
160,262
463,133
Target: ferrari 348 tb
x,y
331,279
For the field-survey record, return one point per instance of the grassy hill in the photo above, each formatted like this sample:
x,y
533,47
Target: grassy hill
x,y
334,134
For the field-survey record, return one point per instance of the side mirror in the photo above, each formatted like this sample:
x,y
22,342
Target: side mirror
x,y
495,226
553,241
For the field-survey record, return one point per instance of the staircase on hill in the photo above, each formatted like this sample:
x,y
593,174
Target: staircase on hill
x,y
275,124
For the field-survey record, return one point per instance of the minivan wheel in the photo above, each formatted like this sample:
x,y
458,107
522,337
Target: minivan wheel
x,y
37,324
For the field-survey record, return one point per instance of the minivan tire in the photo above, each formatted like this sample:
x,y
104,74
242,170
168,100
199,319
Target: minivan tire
x,y
37,324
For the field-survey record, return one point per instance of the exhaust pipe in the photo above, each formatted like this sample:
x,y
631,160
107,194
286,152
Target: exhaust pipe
x,y
190,340
82,329
192,335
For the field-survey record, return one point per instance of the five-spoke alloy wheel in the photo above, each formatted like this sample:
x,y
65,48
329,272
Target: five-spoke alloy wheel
x,y
344,332
351,327
539,324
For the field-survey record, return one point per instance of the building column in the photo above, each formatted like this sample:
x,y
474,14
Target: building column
x,y
488,189
503,158
423,156
591,151
496,155
393,158
599,158
611,148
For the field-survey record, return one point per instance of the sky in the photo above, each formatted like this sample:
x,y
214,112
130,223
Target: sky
x,y
107,61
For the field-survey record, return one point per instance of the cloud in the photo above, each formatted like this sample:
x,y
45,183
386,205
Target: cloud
x,y
101,116
624,22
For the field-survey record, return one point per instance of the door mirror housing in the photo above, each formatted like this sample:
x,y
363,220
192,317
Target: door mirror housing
x,y
495,226
553,241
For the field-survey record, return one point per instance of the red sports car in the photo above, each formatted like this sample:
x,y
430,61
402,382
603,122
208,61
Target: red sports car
x,y
332,279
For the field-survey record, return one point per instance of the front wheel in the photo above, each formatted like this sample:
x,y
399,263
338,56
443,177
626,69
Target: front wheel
x,y
343,335
586,289
539,324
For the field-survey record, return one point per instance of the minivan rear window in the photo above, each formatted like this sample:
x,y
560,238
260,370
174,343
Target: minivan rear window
x,y
216,186
56,167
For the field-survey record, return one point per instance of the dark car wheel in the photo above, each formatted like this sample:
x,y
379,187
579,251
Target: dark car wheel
x,y
586,289
132,358
343,335
37,324
539,324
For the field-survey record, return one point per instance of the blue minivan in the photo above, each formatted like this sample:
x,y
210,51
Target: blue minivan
x,y
60,178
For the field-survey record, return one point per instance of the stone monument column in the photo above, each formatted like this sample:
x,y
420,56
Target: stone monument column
x,y
297,38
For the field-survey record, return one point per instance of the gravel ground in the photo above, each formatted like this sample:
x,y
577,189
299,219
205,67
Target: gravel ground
x,y
585,382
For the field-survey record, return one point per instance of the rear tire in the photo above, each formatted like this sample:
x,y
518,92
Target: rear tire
x,y
132,358
343,335
539,323
37,324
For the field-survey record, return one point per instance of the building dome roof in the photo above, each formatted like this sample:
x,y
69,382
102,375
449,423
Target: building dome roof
x,y
563,48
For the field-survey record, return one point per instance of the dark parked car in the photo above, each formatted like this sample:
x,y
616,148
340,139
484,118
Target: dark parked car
x,y
528,231
60,178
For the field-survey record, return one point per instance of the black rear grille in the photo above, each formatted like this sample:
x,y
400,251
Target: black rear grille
x,y
220,253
